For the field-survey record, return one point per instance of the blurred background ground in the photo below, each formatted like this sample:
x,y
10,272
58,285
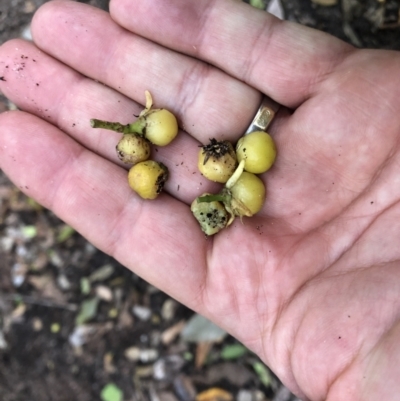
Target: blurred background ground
x,y
76,325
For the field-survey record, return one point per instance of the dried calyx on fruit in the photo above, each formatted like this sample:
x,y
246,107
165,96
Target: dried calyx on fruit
x,y
147,178
159,126
242,195
244,192
217,160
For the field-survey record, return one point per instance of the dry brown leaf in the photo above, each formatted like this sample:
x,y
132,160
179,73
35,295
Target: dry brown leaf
x,y
214,394
108,363
18,312
202,352
125,319
172,332
47,287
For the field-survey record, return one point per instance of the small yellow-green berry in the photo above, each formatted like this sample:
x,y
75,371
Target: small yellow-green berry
x,y
133,149
249,194
147,178
258,150
161,126
217,161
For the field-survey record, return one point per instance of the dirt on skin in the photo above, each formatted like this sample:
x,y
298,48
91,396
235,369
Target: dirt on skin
x,y
48,271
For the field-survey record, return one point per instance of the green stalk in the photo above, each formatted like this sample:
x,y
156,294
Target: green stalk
x,y
134,128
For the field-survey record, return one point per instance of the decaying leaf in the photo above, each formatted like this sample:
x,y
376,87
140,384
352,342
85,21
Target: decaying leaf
x,y
88,310
202,351
233,351
102,273
263,373
65,233
169,335
214,394
199,329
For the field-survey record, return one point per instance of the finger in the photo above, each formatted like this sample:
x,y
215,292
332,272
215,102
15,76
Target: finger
x,y
207,102
283,60
43,86
159,238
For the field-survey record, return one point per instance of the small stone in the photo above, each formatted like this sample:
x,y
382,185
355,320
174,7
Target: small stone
x,y
6,244
141,312
143,355
29,7
148,355
18,274
166,368
63,282
245,395
37,324
104,293
3,342
168,309
132,354
81,335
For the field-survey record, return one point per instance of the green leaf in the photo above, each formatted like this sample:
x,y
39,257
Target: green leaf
x,y
199,329
29,232
263,373
111,392
65,233
258,4
34,205
85,286
102,273
88,311
233,351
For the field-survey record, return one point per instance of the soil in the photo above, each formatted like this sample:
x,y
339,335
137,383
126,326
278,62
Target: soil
x,y
130,333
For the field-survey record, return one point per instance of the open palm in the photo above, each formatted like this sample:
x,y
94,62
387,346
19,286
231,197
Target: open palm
x,y
312,283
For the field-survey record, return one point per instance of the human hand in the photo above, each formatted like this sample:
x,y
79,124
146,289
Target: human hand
x,y
311,284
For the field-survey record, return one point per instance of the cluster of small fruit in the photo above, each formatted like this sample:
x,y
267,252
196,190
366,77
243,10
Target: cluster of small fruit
x,y
153,126
244,192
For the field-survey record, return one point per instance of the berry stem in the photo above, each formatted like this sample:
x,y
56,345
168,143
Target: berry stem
x,y
235,176
134,128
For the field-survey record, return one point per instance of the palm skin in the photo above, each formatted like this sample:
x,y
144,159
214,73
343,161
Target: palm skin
x,y
311,284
